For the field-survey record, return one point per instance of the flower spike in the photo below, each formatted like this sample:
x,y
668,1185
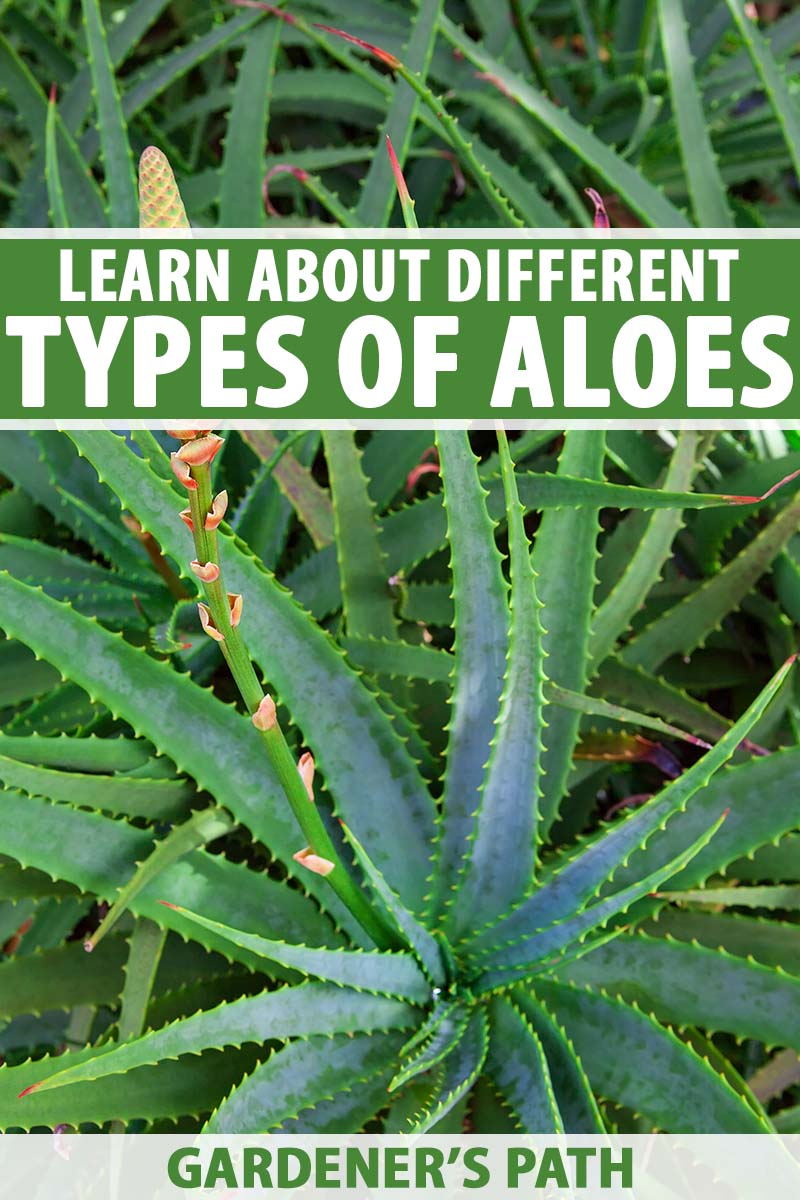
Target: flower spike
x,y
207,572
207,621
307,858
219,506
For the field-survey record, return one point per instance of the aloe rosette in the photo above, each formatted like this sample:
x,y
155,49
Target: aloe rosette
x,y
441,946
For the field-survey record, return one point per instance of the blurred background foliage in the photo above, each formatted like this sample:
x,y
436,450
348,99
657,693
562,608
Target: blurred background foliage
x,y
679,111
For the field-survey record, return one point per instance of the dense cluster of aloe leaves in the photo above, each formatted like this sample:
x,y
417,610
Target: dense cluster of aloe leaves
x,y
540,696
547,706
685,111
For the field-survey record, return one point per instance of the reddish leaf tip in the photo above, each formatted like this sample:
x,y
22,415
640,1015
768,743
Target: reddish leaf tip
x,y
397,171
383,55
279,169
601,220
34,1087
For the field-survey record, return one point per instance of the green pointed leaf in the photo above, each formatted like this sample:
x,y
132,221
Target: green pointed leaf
x,y
55,187
573,879
399,660
574,1097
692,985
312,1008
367,603
462,1066
123,37
145,947
686,624
421,941
377,194
644,567
500,865
446,1030
657,1075
25,883
116,150
706,188
481,612
748,826
240,201
297,1078
383,973
516,1063
776,87
564,557
169,1090
165,707
200,829
99,856
769,941
561,941
154,799
310,502
83,754
632,685
784,896
83,201
26,982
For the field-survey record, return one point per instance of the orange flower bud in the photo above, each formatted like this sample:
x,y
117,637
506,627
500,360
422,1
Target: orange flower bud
x,y
236,602
188,435
208,572
307,858
201,450
186,516
219,506
305,769
207,621
182,472
264,717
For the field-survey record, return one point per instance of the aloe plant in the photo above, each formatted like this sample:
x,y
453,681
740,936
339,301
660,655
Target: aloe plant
x,y
322,911
353,783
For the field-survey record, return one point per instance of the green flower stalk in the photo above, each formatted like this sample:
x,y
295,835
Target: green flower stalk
x,y
220,617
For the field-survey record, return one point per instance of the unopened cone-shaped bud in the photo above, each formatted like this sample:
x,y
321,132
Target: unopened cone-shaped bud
x,y
186,516
207,621
219,506
265,717
188,435
201,450
182,472
307,858
305,769
236,601
208,572
160,204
